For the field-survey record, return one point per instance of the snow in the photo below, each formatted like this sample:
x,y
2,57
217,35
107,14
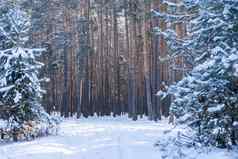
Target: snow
x,y
100,138
4,89
17,97
235,124
216,108
176,144
235,66
161,94
3,123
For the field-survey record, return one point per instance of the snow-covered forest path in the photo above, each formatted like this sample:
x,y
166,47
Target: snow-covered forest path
x,y
95,138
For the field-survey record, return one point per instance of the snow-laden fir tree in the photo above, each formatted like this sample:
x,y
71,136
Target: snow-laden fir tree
x,y
207,23
20,89
206,98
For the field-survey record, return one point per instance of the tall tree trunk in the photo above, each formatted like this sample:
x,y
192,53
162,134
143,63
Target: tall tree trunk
x,y
146,51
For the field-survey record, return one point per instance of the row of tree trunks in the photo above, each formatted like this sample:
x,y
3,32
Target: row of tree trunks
x,y
104,58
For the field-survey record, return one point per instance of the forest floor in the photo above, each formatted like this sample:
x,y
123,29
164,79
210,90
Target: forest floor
x,y
100,138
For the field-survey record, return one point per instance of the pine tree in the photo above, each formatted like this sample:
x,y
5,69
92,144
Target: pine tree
x,y
206,99
20,89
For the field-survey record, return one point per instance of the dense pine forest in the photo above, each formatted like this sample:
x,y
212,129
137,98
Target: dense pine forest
x,y
138,78
104,56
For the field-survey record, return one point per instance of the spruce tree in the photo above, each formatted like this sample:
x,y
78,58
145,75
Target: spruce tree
x,y
206,99
20,85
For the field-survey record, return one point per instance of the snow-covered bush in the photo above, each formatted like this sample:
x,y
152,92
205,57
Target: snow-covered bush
x,y
206,99
180,142
20,85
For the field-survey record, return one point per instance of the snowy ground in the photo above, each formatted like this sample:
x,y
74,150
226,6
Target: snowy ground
x,y
98,138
